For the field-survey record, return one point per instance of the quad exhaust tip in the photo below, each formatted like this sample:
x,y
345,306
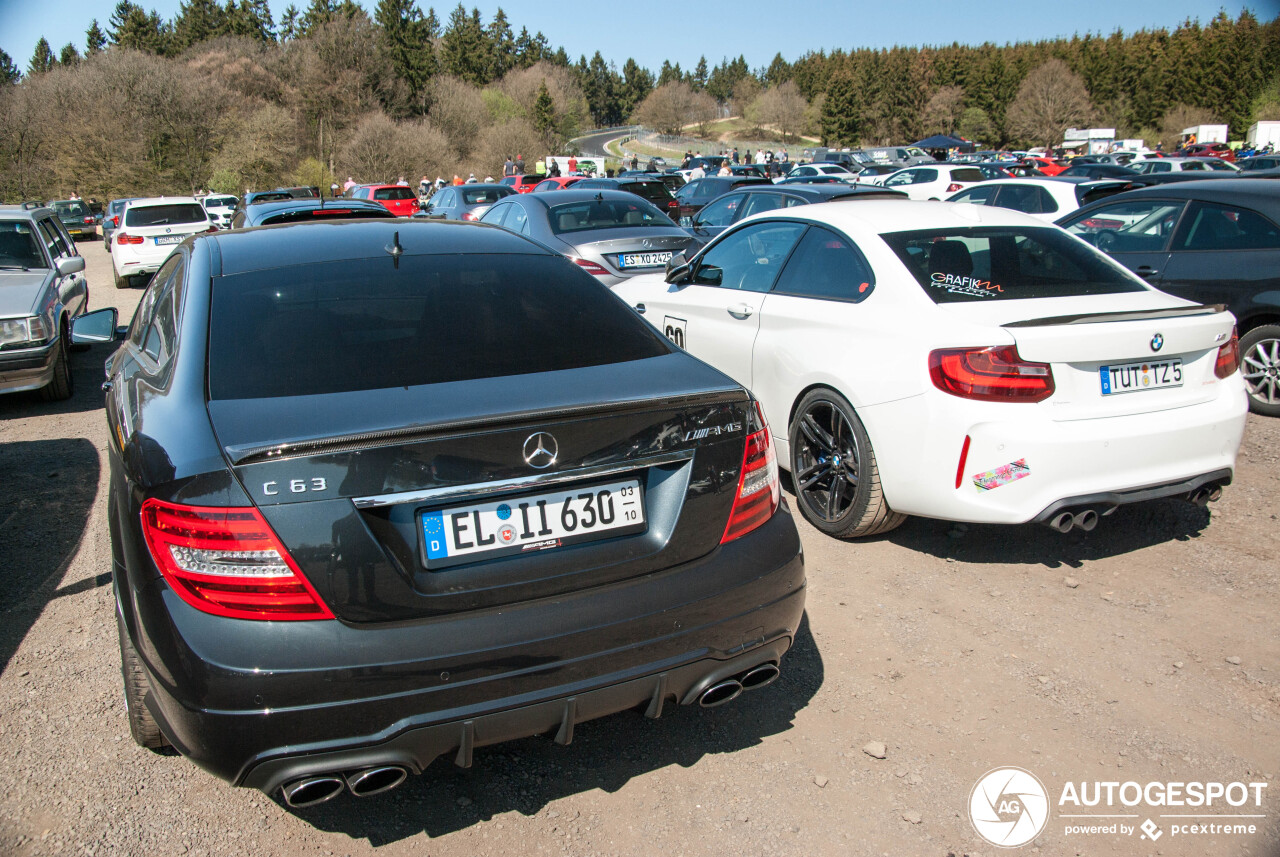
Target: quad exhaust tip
x,y
1080,519
373,781
1204,495
758,677
310,791
720,693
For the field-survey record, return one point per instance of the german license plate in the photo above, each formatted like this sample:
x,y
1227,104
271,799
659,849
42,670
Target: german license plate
x,y
644,260
1136,377
170,239
534,523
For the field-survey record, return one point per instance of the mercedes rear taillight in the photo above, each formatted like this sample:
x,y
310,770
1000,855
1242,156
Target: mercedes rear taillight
x,y
592,268
1228,357
953,187
990,374
759,490
126,238
228,562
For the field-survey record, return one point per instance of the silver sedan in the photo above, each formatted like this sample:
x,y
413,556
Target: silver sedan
x,y
611,234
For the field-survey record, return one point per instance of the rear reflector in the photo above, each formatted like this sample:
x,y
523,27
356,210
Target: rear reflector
x,y
1228,357
124,238
994,374
759,490
228,562
964,457
592,267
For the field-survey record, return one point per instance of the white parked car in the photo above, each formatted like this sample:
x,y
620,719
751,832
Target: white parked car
x,y
1155,166
936,181
220,208
149,230
822,169
961,362
1044,199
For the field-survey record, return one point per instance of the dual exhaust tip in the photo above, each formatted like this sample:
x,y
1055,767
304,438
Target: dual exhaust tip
x,y
729,689
365,782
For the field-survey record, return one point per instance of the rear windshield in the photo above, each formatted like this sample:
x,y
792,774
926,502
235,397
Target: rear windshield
x,y
309,215
652,191
394,193
70,209
164,215
482,195
1006,263
368,324
605,214
968,174
220,201
19,246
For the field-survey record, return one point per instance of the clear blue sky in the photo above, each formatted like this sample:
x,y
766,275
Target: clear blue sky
x,y
758,29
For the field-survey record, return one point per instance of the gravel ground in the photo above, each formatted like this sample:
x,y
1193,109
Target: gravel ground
x,y
1146,651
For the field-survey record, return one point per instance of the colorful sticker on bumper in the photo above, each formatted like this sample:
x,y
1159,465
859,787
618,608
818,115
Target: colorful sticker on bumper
x,y
1002,475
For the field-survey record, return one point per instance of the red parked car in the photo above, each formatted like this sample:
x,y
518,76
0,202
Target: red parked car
x,y
525,183
1047,166
397,199
556,183
1208,150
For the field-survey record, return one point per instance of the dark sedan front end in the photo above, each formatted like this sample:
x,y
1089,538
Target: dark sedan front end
x,y
410,489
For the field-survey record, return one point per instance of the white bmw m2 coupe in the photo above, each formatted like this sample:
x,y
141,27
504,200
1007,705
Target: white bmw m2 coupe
x,y
958,362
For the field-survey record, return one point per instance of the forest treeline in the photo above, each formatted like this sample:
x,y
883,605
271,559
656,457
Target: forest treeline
x,y
225,97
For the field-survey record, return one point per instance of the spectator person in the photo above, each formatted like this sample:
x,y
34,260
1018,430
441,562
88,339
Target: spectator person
x,y
635,161
540,167
725,169
471,179
509,167
573,165
697,173
457,179
519,166
554,169
736,157
402,182
423,186
688,156
347,185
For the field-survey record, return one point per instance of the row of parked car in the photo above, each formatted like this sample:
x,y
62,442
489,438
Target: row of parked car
x,y
387,488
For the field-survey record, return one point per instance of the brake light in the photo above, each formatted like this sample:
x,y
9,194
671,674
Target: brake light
x,y
212,228
126,238
228,562
467,215
994,374
953,187
592,268
759,490
323,212
88,220
1228,357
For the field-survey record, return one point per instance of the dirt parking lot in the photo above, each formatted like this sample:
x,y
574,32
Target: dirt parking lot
x,y
1145,651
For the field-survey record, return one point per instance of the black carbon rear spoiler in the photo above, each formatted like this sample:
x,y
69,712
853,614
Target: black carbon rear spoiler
x,y
1131,315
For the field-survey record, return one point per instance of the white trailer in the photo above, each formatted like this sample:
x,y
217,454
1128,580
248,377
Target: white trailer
x,y
1262,133
1205,134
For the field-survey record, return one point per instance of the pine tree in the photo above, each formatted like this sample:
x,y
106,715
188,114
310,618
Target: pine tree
x,y
841,112
544,111
131,27
197,21
42,60
9,72
779,71
290,23
95,39
404,32
502,53
463,49
68,55
699,81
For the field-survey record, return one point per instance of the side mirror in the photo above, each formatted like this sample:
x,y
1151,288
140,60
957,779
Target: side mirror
x,y
677,268
74,265
709,275
97,326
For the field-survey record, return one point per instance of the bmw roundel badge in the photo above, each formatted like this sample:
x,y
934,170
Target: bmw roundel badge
x,y
1157,342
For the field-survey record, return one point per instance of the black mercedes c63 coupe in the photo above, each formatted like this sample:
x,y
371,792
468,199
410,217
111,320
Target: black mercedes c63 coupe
x,y
386,491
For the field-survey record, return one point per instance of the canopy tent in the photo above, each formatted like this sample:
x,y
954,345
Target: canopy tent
x,y
942,141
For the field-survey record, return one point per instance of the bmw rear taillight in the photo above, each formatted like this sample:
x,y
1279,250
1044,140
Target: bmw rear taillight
x,y
953,187
994,374
126,238
759,490
228,562
1228,357
592,268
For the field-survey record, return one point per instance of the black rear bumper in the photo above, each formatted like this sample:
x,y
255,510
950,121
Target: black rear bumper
x,y
1105,502
263,703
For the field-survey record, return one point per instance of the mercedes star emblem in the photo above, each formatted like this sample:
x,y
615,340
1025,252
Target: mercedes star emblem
x,y
540,450
1157,342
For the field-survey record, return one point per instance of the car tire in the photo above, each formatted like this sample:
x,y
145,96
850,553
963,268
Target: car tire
x,y
1260,366
121,282
851,503
60,386
142,726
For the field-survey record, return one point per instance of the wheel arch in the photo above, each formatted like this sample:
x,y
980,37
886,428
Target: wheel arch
x,y
1260,319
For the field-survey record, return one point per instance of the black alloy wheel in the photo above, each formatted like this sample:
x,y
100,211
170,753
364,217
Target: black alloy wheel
x,y
834,471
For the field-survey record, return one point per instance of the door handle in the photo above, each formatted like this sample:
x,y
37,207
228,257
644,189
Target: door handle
x,y
739,311
640,308
1146,271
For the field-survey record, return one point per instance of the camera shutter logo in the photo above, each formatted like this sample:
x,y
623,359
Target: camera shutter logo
x,y
1009,807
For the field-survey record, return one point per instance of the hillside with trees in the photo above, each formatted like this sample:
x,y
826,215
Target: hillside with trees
x,y
225,97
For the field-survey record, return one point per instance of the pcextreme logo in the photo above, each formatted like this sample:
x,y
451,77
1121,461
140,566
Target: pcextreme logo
x,y
1009,807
